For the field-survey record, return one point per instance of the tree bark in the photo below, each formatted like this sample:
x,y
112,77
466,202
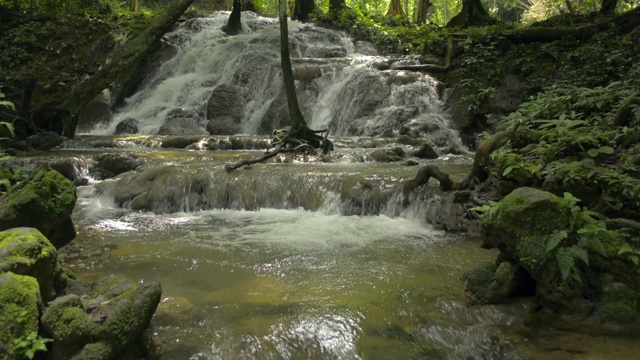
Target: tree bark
x,y
133,6
472,14
123,58
336,5
421,11
625,23
608,7
297,120
234,25
302,10
395,8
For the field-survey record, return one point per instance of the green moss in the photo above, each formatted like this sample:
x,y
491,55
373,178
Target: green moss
x,y
45,196
617,313
23,247
19,308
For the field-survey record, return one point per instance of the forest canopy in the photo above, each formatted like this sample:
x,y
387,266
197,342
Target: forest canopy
x,y
436,12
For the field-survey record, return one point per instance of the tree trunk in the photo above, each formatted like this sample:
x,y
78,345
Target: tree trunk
x,y
472,14
608,7
395,8
297,120
302,10
248,5
336,5
421,11
122,59
234,26
134,5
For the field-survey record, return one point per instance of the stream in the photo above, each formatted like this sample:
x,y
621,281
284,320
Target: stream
x,y
301,258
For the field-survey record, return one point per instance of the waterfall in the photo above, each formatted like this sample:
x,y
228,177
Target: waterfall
x,y
218,84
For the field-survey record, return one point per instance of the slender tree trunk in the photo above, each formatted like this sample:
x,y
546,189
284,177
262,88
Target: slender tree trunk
x,y
134,5
336,5
395,8
297,120
302,10
234,25
421,11
608,7
123,58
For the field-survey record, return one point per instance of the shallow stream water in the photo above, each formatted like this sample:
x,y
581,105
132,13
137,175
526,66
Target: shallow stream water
x,y
290,283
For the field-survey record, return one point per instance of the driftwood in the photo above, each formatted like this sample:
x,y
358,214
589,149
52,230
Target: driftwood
x,y
478,171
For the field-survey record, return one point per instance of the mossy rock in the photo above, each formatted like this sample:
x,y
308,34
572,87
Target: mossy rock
x,y
489,284
66,322
521,226
117,312
617,313
45,202
25,251
20,306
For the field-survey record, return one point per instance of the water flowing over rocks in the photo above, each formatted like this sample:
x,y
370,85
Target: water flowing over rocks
x,y
215,84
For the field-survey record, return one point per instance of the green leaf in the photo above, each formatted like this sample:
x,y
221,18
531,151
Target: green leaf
x,y
624,249
507,171
581,254
635,259
593,152
565,262
8,104
606,150
554,240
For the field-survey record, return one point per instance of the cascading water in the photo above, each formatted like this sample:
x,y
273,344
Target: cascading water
x,y
215,81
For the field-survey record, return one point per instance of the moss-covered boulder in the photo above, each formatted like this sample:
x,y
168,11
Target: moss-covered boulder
x,y
20,306
110,317
521,226
580,268
66,322
25,251
45,202
490,284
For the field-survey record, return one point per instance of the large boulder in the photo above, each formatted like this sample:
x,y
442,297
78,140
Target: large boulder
x,y
182,122
109,165
225,110
571,256
25,251
44,141
20,306
101,320
45,201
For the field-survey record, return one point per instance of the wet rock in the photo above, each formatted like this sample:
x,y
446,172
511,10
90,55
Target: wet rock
x,y
443,211
223,125
98,321
20,306
489,284
179,142
109,165
388,155
226,101
128,126
66,323
25,251
98,111
45,201
182,122
45,141
426,152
